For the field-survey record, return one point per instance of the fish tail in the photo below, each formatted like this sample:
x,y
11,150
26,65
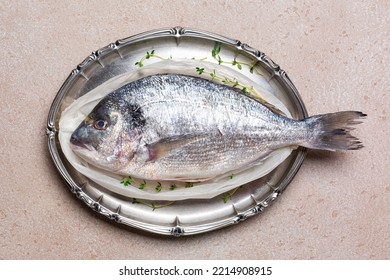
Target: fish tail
x,y
332,131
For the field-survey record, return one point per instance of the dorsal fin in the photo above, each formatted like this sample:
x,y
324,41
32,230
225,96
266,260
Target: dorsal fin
x,y
269,106
272,108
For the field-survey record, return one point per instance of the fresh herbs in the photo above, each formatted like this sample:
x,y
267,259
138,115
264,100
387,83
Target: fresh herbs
x,y
148,55
233,83
229,195
152,53
142,185
126,181
216,50
215,53
158,188
152,205
199,70
252,65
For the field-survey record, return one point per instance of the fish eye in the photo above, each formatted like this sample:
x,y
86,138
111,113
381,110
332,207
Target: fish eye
x,y
100,124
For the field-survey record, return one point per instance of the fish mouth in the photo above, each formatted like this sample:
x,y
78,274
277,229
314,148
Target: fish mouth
x,y
80,145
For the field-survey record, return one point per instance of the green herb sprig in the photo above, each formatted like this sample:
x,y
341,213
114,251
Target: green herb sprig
x,y
152,205
158,188
142,185
126,181
199,70
148,55
216,50
252,65
229,195
233,83
152,53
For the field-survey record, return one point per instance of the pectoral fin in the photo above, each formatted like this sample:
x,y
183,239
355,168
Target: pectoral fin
x,y
167,145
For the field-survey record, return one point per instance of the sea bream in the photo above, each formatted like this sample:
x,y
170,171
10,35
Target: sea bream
x,y
183,128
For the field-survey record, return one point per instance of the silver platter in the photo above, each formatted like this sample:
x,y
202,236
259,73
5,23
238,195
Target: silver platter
x,y
190,216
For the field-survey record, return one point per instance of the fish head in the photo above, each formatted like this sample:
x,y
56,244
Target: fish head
x,y
106,138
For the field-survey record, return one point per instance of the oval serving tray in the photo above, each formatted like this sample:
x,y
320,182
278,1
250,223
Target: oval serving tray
x,y
189,216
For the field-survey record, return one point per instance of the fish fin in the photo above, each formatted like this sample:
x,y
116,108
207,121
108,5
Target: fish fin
x,y
164,146
334,131
190,180
269,106
272,108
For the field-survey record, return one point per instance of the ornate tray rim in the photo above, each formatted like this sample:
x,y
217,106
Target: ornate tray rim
x,y
177,229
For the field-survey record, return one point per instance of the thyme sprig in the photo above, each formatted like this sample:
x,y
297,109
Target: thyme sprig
x,y
233,83
142,185
126,181
148,55
199,70
216,50
201,59
158,188
152,205
229,195
252,65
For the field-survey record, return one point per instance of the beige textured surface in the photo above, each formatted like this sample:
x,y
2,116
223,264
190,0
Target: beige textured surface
x,y
336,53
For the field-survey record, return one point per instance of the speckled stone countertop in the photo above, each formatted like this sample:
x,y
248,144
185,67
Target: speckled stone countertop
x,y
335,52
